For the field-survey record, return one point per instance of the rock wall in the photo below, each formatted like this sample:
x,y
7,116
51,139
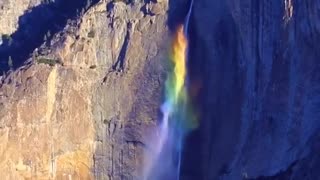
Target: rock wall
x,y
78,107
79,101
259,63
10,11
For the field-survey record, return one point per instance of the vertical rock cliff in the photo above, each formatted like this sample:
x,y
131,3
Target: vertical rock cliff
x,y
77,100
81,83
259,64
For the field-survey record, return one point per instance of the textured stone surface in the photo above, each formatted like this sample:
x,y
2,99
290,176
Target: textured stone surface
x,y
87,116
10,11
84,117
259,62
46,130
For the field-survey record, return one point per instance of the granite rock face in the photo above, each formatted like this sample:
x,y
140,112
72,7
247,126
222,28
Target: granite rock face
x,y
85,86
258,61
79,104
10,11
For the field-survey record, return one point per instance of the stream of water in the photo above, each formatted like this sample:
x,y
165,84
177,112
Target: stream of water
x,y
163,160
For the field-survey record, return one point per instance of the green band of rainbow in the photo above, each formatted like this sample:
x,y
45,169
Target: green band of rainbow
x,y
177,99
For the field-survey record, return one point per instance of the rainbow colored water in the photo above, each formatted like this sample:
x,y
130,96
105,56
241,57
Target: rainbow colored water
x,y
178,116
177,103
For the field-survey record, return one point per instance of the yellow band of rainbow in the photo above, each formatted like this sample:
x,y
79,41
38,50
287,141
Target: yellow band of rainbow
x,y
177,99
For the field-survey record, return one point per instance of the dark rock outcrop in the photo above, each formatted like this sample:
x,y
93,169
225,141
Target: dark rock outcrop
x,y
258,62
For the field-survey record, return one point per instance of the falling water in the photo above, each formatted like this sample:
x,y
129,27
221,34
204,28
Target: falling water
x,y
164,157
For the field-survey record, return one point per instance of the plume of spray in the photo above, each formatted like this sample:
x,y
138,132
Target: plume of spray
x,y
164,157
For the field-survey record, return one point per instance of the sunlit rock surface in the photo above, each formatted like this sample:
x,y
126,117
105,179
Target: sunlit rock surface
x,y
85,87
79,106
10,11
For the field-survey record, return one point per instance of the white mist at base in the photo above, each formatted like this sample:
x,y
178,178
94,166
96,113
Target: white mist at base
x,y
163,158
157,158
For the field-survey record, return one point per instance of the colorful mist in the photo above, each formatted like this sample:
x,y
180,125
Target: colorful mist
x,y
178,117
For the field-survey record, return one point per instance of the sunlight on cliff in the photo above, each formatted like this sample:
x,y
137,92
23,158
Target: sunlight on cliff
x,y
51,98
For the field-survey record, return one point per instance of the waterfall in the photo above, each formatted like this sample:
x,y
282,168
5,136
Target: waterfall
x,y
163,159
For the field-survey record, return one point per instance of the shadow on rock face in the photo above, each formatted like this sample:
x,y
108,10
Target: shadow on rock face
x,y
178,10
214,68
36,26
260,81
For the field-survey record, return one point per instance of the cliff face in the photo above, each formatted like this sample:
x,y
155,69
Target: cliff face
x,y
86,82
259,63
78,107
10,11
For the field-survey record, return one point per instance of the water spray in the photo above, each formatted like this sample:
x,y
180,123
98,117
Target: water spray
x,y
164,160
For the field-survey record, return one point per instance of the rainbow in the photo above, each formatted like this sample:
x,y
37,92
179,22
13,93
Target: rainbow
x,y
179,116
177,103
